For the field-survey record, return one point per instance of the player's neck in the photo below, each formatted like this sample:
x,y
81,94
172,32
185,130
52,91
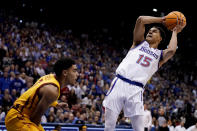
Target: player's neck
x,y
153,45
61,81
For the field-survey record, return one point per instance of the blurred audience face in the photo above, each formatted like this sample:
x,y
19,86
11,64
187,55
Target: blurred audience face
x,y
161,111
6,91
13,92
63,98
71,116
5,74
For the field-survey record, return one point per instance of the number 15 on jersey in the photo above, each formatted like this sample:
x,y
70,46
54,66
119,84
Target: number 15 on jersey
x,y
144,60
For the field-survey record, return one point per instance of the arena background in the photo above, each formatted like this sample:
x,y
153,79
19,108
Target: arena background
x,y
112,24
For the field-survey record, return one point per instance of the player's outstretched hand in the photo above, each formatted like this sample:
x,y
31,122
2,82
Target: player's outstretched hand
x,y
179,27
62,105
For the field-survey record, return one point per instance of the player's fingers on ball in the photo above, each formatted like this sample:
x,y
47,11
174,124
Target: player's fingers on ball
x,y
182,22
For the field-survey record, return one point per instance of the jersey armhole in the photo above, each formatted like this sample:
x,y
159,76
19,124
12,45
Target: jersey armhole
x,y
137,45
161,58
45,85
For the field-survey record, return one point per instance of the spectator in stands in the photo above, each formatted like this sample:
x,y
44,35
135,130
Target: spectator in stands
x,y
61,118
96,121
35,75
90,119
180,127
66,115
7,100
7,60
155,125
192,128
83,128
5,80
72,98
1,97
51,118
81,119
93,90
40,70
29,71
58,114
2,114
63,98
155,113
170,125
147,118
22,77
70,118
179,103
2,53
43,119
162,119
14,95
78,91
12,75
17,83
122,121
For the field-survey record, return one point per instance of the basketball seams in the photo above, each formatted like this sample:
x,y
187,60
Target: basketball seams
x,y
177,17
171,18
171,26
174,18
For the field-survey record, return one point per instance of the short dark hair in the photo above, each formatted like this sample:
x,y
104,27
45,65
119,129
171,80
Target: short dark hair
x,y
162,33
62,64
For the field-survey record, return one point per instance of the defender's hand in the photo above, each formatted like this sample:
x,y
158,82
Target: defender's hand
x,y
62,105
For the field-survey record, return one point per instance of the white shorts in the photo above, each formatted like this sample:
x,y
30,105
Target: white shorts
x,y
123,95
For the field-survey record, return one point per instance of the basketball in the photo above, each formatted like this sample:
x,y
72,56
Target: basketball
x,y
174,18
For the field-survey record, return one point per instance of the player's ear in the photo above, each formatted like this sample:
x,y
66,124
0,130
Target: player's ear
x,y
65,72
160,38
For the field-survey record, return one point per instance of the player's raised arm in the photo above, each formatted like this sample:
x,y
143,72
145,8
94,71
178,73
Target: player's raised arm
x,y
170,51
139,30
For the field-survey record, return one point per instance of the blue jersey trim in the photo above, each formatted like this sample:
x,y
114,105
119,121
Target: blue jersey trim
x,y
161,58
111,87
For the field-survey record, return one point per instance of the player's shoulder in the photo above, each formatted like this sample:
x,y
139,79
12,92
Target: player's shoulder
x,y
49,89
138,44
49,77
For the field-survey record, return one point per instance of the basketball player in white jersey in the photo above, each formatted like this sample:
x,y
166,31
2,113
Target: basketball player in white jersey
x,y
141,62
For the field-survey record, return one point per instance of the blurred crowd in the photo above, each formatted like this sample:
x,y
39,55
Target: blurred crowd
x,y
29,50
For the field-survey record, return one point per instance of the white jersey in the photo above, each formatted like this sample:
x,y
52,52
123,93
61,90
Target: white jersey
x,y
140,63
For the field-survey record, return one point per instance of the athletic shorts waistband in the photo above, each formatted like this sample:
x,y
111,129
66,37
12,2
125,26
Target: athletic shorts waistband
x,y
130,81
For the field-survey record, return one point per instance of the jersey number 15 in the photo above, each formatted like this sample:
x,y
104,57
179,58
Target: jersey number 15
x,y
144,60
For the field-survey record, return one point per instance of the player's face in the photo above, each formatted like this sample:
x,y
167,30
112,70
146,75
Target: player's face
x,y
72,75
153,35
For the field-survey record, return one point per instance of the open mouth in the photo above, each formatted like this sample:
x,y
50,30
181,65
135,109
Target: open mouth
x,y
149,35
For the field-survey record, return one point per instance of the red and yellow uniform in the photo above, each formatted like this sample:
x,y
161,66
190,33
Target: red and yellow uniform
x,y
18,117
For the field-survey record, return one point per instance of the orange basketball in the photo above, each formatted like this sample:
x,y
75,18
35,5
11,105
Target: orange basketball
x,y
174,18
